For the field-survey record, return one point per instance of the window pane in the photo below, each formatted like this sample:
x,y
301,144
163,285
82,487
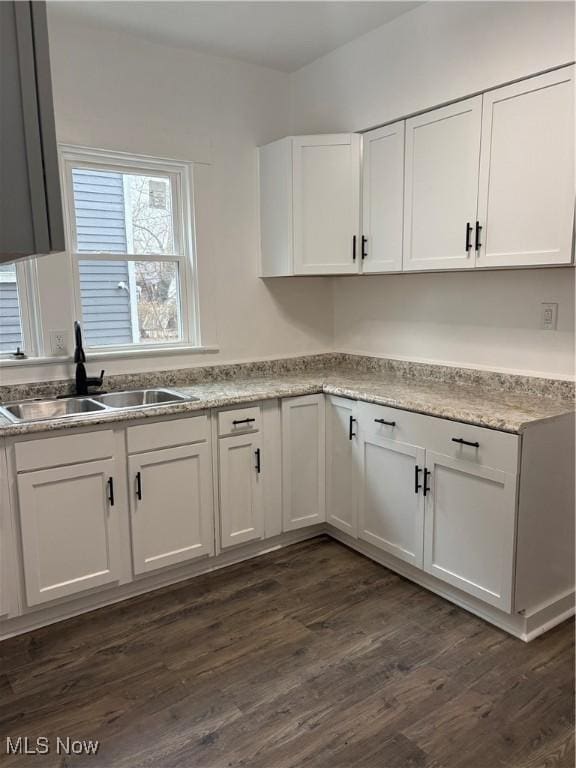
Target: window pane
x,y
10,321
130,302
122,213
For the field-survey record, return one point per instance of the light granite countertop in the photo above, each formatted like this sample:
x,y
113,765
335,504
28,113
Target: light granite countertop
x,y
507,411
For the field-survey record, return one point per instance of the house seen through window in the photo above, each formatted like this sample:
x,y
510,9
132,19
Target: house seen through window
x,y
129,242
11,335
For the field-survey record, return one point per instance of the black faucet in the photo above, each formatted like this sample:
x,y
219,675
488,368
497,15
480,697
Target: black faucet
x,y
83,382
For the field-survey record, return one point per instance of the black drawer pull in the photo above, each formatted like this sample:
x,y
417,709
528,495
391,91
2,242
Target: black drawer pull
x,y
427,474
387,423
465,442
351,432
468,236
139,486
353,247
242,421
417,485
364,253
111,491
257,454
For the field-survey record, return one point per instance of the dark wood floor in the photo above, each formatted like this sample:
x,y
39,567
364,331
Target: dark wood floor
x,y
312,657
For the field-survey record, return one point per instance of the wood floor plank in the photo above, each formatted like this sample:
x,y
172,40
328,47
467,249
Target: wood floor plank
x,y
309,657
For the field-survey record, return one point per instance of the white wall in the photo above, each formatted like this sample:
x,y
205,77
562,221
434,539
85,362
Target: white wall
x,y
436,53
117,91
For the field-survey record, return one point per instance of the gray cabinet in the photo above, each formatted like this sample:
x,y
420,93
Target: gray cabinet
x,y
30,202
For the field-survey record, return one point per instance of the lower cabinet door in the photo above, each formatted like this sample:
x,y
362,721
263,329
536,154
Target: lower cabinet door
x,y
470,528
240,465
171,506
391,513
341,432
303,461
70,531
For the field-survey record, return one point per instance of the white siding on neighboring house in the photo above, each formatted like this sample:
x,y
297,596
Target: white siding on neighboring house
x,y
10,325
101,227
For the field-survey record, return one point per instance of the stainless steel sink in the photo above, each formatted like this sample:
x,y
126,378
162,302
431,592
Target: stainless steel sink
x,y
139,398
39,410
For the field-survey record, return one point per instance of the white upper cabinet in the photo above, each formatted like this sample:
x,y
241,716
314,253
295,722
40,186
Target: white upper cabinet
x,y
526,198
441,186
310,205
382,199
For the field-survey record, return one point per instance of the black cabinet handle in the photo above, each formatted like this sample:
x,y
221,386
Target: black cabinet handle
x,y
139,486
417,485
353,247
477,243
427,474
111,491
242,421
364,242
257,454
465,442
468,236
351,432
387,423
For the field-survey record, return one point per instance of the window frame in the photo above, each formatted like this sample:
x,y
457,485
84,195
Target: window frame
x,y
27,290
180,175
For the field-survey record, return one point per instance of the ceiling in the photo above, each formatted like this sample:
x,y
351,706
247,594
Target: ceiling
x,y
282,35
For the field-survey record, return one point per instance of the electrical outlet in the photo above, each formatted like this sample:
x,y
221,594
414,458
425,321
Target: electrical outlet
x,y
549,316
59,343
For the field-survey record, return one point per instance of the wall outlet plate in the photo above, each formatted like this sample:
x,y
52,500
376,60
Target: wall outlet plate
x,y
59,343
549,316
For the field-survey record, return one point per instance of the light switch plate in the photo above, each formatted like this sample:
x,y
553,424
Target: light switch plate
x,y
549,316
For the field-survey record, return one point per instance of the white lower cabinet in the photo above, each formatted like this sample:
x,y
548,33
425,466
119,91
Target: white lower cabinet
x,y
303,461
171,506
240,487
470,527
439,495
341,475
70,529
391,507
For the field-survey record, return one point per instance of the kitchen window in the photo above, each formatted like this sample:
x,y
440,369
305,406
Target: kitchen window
x,y
130,236
17,317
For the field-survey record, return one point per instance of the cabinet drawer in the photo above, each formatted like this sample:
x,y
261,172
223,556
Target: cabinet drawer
x,y
166,434
489,448
238,421
67,449
495,449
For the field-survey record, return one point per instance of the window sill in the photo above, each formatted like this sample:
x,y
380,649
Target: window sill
x,y
113,354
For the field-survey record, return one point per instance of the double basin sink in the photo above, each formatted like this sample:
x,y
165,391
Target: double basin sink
x,y
40,410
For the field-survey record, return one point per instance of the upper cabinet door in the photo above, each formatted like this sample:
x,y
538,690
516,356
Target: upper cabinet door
x,y
382,199
31,220
326,195
441,186
526,198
